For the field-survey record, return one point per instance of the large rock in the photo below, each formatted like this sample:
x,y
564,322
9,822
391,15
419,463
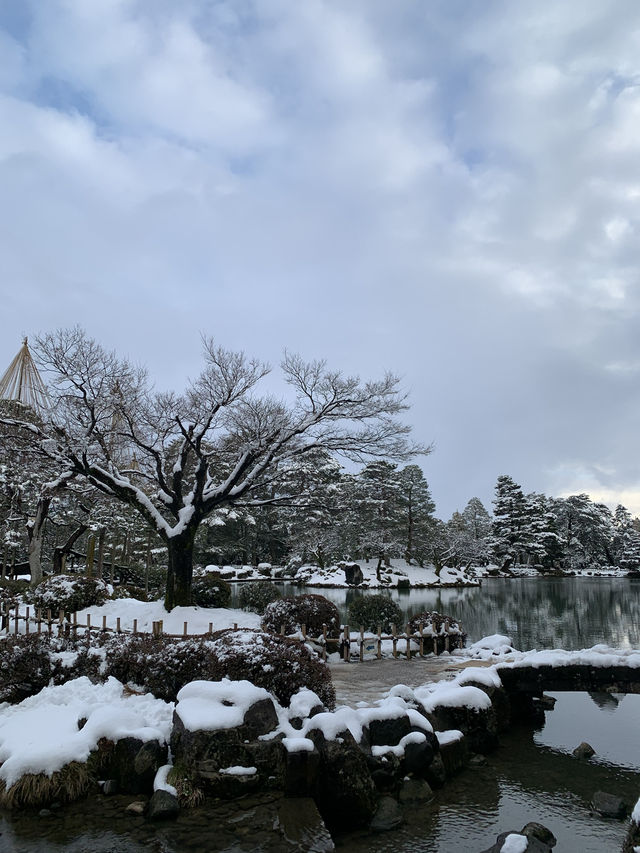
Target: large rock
x,y
478,724
162,806
455,755
537,830
346,795
609,805
534,845
301,772
415,791
353,574
132,764
388,732
387,817
419,755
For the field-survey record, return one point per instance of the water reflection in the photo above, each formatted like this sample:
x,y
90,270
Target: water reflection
x,y
570,613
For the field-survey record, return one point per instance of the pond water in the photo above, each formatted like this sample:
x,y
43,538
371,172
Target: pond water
x,y
537,613
532,776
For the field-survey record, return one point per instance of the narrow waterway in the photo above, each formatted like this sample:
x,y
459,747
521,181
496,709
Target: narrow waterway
x,y
532,776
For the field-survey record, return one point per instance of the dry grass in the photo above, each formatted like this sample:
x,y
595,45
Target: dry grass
x,y
36,789
189,795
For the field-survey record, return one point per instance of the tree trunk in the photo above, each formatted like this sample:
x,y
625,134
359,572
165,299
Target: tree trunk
x,y
61,551
180,569
35,532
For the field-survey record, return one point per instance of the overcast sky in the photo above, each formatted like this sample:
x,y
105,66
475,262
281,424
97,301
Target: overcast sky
x,y
449,190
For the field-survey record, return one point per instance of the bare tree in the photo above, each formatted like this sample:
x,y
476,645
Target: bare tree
x,y
177,458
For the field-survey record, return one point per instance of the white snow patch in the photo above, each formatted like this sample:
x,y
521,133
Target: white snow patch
x,y
41,734
160,782
298,744
515,843
237,770
213,705
450,736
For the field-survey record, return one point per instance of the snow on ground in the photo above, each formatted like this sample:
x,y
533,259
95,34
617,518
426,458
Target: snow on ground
x,y
148,612
334,576
41,734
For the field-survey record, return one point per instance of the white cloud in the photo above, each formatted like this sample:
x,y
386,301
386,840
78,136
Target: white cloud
x,y
450,193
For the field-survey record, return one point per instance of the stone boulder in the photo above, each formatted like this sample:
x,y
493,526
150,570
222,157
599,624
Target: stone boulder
x,y
609,805
537,830
533,845
387,817
584,751
352,574
130,764
346,795
162,806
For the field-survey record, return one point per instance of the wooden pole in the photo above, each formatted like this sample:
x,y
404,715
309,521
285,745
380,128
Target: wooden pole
x,y
395,641
361,643
421,630
408,632
379,642
434,629
446,635
346,644
101,539
91,549
324,642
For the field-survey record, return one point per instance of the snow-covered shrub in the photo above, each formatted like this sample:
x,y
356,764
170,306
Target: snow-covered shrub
x,y
256,596
158,664
210,591
372,611
69,593
25,666
281,665
162,665
293,612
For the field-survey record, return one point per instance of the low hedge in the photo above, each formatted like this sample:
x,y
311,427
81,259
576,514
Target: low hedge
x,y
373,611
162,666
256,596
69,593
310,610
210,591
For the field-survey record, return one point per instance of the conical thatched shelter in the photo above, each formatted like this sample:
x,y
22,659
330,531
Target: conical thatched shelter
x,y
21,382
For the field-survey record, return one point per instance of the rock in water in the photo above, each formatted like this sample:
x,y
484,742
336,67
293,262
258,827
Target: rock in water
x,y
388,816
584,750
162,806
537,830
608,805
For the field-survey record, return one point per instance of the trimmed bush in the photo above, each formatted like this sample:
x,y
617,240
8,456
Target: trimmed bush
x,y
210,591
256,596
372,611
69,593
293,612
162,666
281,665
25,666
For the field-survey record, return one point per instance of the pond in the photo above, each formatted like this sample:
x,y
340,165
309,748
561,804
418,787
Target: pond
x,y
537,613
532,776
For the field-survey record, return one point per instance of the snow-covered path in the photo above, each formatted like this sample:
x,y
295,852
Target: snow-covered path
x,y
370,680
